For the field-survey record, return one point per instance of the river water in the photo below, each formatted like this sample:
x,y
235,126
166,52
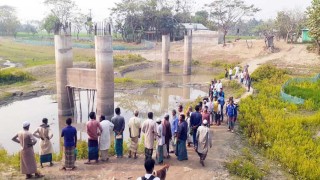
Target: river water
x,y
158,100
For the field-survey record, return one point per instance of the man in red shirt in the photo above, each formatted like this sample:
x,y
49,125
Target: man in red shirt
x,y
94,130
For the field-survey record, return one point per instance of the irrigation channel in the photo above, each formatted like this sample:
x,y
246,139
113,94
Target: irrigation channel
x,y
175,89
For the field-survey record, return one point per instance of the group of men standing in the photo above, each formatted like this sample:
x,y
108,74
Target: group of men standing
x,y
170,136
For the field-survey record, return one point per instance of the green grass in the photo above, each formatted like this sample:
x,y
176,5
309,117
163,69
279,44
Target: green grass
x,y
125,59
123,80
309,91
236,89
222,63
32,55
280,129
245,166
14,75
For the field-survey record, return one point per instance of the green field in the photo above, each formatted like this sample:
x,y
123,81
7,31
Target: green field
x,y
281,130
306,90
33,55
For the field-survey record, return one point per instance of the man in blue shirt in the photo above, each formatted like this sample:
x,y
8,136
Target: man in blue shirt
x,y
182,135
195,122
230,111
69,133
221,102
174,130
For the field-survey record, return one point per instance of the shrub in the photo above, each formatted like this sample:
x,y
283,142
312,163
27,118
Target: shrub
x,y
195,62
124,59
121,60
14,75
277,127
7,160
266,72
245,166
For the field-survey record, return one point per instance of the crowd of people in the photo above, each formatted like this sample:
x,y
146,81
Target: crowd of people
x,y
171,134
242,75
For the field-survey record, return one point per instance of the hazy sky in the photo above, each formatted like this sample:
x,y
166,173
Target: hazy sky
x,y
34,9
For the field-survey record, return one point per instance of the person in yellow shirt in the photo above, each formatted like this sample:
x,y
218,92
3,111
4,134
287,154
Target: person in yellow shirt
x,y
217,111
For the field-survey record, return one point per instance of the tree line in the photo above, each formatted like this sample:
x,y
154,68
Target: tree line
x,y
133,20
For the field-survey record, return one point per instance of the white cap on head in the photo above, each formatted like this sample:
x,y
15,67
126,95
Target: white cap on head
x,y
26,124
205,122
158,120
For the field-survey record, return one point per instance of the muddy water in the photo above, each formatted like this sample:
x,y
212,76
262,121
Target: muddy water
x,y
199,75
158,100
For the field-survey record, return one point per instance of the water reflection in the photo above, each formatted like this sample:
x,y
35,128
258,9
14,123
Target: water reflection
x,y
158,100
177,88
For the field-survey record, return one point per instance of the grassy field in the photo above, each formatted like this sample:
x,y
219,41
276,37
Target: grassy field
x,y
305,90
33,55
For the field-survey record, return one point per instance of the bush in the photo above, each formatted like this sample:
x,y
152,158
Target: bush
x,y
7,160
245,166
14,75
266,72
121,60
124,59
222,63
278,129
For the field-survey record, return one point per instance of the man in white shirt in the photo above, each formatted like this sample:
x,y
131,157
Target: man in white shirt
x,y
241,77
104,139
230,73
219,86
149,166
134,133
160,141
237,68
149,128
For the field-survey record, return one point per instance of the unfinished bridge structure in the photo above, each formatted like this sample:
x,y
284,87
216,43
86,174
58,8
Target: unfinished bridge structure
x,y
70,80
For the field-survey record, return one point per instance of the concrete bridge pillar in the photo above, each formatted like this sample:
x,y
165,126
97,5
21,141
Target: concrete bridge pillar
x,y
63,57
186,88
165,53
164,101
187,53
104,75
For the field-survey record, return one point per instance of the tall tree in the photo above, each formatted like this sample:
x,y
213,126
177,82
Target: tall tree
x,y
78,22
289,23
62,9
226,13
201,17
128,13
314,22
49,23
264,27
28,28
9,22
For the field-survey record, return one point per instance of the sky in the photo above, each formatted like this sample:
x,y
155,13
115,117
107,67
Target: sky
x,y
35,9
